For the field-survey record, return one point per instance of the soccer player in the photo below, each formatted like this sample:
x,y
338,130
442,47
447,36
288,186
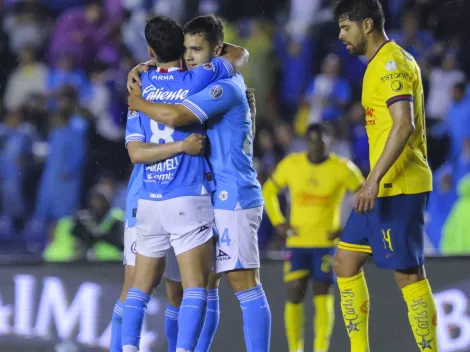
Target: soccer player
x,y
147,153
238,200
317,182
389,211
174,207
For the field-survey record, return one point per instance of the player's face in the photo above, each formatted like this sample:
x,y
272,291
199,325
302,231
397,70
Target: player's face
x,y
352,35
316,144
198,51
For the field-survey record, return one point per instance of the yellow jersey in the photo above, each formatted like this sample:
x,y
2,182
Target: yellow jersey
x,y
316,192
393,75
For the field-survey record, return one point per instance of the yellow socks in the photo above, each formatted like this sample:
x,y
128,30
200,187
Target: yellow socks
x,y
355,308
294,322
324,321
422,314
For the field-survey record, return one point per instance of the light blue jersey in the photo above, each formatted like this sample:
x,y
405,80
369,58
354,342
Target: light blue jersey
x,y
181,175
229,128
133,190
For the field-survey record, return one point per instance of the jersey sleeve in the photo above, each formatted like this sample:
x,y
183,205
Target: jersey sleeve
x,y
218,68
134,130
396,76
353,177
280,176
214,100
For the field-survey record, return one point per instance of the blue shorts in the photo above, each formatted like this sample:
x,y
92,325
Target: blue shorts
x,y
392,233
313,262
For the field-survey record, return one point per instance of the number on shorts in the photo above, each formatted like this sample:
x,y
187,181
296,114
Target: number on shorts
x,y
226,238
161,136
326,264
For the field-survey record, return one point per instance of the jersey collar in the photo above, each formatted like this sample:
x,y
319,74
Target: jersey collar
x,y
171,69
380,47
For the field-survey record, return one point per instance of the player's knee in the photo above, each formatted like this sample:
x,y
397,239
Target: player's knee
x,y
242,280
174,292
409,276
348,263
214,281
295,293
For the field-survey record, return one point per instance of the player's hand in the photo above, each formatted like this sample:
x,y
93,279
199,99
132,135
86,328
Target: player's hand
x,y
194,144
335,234
366,197
134,97
134,75
250,95
285,230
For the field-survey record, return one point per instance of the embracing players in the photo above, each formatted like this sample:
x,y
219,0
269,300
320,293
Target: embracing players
x,y
237,200
389,210
174,202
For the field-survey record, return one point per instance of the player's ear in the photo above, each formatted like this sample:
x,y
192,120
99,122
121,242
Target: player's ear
x,y
152,55
218,50
368,25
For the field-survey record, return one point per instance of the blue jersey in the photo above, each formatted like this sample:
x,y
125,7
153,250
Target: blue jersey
x,y
133,190
181,175
224,105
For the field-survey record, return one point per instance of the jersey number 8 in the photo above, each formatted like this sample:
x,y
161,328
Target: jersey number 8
x,y
161,136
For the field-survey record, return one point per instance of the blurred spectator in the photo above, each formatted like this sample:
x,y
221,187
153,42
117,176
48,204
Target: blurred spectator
x,y
456,125
455,239
27,79
258,73
358,138
328,92
295,57
413,39
16,145
132,30
440,204
269,151
441,81
62,173
339,143
6,57
28,24
287,140
94,233
65,73
81,32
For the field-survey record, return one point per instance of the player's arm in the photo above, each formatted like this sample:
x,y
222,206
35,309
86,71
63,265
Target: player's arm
x,y
149,153
214,100
250,95
271,189
141,152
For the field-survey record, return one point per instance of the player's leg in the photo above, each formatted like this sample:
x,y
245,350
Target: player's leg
x,y
348,261
129,266
297,270
211,321
189,220
323,297
238,256
402,221
174,293
152,246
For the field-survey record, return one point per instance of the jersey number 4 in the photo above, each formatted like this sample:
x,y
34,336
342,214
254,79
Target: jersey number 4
x,y
225,238
161,136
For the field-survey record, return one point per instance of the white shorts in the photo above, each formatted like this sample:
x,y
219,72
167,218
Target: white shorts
x,y
172,270
182,223
237,243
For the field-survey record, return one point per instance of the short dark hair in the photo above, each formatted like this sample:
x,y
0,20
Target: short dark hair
x,y
165,36
208,26
359,10
322,128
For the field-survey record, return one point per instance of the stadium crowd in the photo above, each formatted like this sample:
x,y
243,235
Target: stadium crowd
x,y
64,168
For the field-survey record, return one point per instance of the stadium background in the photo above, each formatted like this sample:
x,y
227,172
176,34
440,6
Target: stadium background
x,y
63,105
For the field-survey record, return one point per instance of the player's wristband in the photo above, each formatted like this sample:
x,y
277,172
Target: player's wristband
x,y
290,232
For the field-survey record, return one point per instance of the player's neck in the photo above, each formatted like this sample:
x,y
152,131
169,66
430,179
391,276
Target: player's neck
x,y
317,159
376,42
168,65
